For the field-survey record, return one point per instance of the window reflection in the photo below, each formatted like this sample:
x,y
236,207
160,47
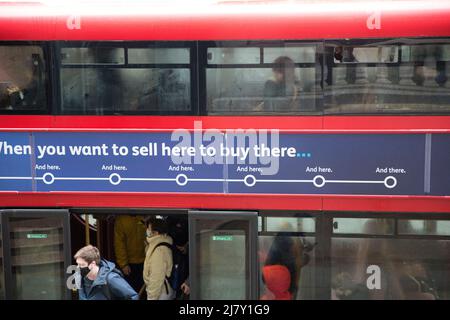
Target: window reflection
x,y
409,268
387,78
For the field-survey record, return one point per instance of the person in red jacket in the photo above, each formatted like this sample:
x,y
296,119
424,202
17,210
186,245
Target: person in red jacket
x,y
277,280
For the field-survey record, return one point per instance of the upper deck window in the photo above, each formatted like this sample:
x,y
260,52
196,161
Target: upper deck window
x,y
387,78
22,78
262,78
119,79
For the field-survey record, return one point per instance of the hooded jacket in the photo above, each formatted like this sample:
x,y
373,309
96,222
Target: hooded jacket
x,y
108,285
277,279
157,265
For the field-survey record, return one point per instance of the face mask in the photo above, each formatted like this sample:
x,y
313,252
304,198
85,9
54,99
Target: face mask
x,y
148,233
84,271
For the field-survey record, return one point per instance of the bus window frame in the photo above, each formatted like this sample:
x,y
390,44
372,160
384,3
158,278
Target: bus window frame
x,y
204,66
191,66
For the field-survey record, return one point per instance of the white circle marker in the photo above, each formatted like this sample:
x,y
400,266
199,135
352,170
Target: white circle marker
x,y
117,176
52,178
179,180
249,180
319,184
392,184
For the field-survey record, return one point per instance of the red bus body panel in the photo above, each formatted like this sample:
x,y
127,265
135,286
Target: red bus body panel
x,y
189,20
276,20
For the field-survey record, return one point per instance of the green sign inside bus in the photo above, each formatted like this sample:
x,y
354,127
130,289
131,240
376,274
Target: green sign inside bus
x,y
37,236
222,238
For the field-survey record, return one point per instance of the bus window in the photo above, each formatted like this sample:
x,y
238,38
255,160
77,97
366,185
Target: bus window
x,y
126,81
368,267
261,80
385,78
22,78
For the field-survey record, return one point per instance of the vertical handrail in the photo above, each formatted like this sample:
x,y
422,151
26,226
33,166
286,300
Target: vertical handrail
x,y
86,229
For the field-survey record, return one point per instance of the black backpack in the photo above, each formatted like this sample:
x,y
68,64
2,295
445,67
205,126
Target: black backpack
x,y
176,277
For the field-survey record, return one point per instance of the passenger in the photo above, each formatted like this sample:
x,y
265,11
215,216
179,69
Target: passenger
x,y
284,84
416,283
180,281
288,252
100,280
345,288
129,247
158,261
24,88
277,280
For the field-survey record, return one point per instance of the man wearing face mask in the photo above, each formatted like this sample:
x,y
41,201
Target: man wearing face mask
x,y
100,280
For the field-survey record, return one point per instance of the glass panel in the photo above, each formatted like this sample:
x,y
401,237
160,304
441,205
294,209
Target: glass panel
x,y
440,52
37,258
222,259
98,91
255,90
363,226
158,55
95,55
233,55
297,54
22,78
387,54
287,267
424,227
390,269
416,83
290,224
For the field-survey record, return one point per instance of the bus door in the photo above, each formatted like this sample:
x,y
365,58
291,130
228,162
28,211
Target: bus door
x,y
223,255
34,254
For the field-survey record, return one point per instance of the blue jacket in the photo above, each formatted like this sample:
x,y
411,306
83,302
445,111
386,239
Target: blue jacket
x,y
119,289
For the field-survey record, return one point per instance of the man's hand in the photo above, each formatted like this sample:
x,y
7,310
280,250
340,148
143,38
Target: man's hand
x,y
12,89
126,270
185,288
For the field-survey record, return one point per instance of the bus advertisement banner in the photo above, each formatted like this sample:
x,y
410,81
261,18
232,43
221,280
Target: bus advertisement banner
x,y
226,162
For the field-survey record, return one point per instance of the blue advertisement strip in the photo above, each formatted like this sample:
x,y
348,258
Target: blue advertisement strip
x,y
16,161
343,164
236,162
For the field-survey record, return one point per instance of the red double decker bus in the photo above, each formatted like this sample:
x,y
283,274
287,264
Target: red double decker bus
x,y
303,146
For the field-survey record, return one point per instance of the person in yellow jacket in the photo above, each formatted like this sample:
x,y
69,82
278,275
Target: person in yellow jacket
x,y
158,261
129,247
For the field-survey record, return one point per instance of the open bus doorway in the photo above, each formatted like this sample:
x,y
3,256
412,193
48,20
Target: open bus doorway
x,y
120,236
